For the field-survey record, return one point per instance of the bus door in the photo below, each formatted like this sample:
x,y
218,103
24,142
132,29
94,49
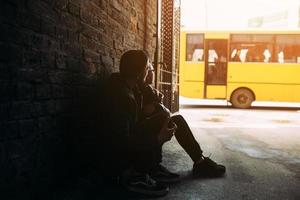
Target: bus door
x,y
216,59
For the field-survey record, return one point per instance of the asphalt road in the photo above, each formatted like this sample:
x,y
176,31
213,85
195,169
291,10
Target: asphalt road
x,y
260,148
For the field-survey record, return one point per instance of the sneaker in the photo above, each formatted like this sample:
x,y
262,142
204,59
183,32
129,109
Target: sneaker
x,y
143,184
162,175
208,168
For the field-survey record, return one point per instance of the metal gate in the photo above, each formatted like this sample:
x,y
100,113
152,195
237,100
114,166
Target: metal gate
x,y
167,51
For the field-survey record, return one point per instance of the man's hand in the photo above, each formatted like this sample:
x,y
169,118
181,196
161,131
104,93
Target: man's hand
x,y
166,132
159,95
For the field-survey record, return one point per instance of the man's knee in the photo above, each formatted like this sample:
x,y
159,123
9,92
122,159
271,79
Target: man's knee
x,y
177,118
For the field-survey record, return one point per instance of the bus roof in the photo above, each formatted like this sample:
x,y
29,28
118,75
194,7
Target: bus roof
x,y
225,34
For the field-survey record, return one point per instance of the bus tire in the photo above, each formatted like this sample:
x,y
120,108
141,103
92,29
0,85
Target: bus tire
x,y
242,98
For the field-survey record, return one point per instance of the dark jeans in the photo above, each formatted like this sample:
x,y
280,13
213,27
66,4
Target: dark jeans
x,y
137,150
185,138
142,150
148,153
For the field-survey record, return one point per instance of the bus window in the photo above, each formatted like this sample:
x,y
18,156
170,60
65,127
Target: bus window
x,y
238,55
257,53
287,48
197,55
194,47
216,65
251,48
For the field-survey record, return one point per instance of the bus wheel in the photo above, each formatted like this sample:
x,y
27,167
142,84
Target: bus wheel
x,y
242,98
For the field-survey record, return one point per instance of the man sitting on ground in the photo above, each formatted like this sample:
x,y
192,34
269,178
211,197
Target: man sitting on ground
x,y
137,131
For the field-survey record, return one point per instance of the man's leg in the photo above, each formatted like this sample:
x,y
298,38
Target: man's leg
x,y
203,166
152,127
143,153
142,158
186,138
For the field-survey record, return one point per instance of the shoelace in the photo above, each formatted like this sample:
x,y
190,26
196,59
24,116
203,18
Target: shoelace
x,y
211,162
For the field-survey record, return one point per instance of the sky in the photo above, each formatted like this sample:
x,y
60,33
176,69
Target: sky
x,y
234,14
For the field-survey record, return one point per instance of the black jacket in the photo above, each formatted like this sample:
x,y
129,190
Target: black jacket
x,y
126,136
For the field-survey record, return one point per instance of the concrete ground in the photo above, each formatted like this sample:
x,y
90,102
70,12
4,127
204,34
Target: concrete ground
x,y
260,148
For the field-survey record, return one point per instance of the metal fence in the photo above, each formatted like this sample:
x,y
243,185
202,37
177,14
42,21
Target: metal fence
x,y
167,60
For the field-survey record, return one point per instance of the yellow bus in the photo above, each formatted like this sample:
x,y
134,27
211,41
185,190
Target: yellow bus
x,y
240,67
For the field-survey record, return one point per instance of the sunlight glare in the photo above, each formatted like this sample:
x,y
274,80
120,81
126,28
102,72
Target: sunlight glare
x,y
237,14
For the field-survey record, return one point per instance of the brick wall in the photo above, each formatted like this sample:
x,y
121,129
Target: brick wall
x,y
54,57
